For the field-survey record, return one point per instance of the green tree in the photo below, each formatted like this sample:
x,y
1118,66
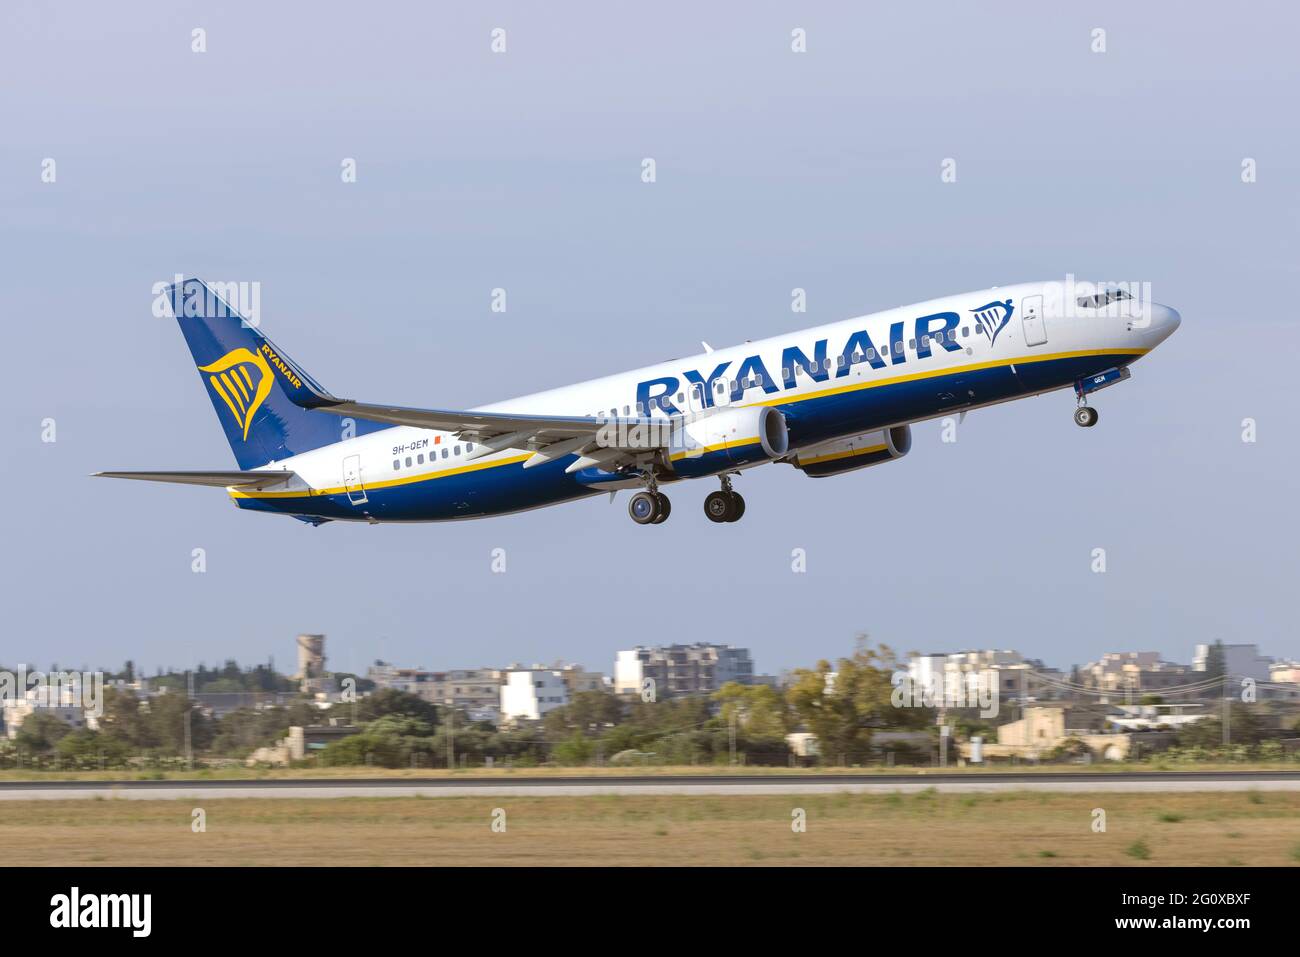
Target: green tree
x,y
577,750
843,705
391,701
587,711
41,731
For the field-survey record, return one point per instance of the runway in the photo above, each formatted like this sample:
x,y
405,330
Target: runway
x,y
716,785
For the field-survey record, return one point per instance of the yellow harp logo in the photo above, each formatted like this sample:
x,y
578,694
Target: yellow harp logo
x,y
243,380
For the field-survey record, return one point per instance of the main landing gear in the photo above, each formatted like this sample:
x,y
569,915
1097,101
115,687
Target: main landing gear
x,y
725,505
650,507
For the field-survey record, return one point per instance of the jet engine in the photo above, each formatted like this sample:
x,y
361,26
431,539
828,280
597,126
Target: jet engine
x,y
855,452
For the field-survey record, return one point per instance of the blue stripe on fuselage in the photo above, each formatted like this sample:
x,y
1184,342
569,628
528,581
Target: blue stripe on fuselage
x,y
509,488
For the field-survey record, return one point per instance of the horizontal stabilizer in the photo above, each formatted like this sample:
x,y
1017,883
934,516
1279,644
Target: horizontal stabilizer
x,y
216,479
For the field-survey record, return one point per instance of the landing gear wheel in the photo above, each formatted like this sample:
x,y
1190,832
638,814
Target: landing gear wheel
x,y
644,507
1086,416
665,508
737,507
717,506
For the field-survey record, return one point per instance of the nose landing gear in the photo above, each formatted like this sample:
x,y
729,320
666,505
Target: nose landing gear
x,y
725,505
1086,416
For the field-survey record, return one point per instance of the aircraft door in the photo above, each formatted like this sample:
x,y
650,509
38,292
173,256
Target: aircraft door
x,y
352,480
1031,316
721,392
695,403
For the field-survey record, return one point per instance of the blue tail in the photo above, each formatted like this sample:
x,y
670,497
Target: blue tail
x,y
250,382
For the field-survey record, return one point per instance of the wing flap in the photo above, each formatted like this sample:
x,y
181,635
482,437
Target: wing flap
x,y
214,479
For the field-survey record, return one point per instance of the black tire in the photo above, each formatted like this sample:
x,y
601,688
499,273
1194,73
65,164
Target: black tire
x,y
717,506
1085,416
644,508
665,508
737,507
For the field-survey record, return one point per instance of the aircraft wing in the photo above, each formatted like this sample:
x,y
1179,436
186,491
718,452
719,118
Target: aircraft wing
x,y
547,437
216,479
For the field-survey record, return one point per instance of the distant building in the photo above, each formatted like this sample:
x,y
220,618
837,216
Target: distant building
x,y
1132,672
1143,717
1284,672
301,742
968,672
311,661
1047,727
476,691
682,670
578,678
1239,661
528,694
428,685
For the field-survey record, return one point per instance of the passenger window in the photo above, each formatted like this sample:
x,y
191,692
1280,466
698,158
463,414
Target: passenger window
x,y
911,343
419,459
469,447
457,450
444,453
408,461
627,410
871,354
397,464
965,331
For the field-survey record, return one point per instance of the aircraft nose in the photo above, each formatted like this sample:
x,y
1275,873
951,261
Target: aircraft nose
x,y
1165,320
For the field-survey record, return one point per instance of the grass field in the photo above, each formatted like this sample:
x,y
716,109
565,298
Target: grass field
x,y
1196,829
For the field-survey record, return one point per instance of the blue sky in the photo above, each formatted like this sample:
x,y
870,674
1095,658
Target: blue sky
x,y
521,170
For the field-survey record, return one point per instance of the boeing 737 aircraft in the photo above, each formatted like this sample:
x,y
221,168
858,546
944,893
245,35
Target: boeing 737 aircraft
x,y
826,400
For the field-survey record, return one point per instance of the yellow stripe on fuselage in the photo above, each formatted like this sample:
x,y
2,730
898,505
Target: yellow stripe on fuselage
x,y
388,483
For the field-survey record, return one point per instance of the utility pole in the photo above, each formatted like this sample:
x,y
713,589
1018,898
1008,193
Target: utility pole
x,y
732,735
189,710
1227,729
451,735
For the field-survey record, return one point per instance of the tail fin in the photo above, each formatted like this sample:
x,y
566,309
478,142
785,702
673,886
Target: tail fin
x,y
262,398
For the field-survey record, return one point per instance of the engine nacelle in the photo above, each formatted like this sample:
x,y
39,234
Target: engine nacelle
x,y
856,452
727,438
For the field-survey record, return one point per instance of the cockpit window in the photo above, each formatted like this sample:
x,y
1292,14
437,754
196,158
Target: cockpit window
x,y
1103,299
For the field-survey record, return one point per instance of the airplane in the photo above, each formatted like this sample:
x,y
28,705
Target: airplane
x,y
826,400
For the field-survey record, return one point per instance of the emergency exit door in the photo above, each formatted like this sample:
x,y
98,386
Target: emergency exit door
x,y
352,480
